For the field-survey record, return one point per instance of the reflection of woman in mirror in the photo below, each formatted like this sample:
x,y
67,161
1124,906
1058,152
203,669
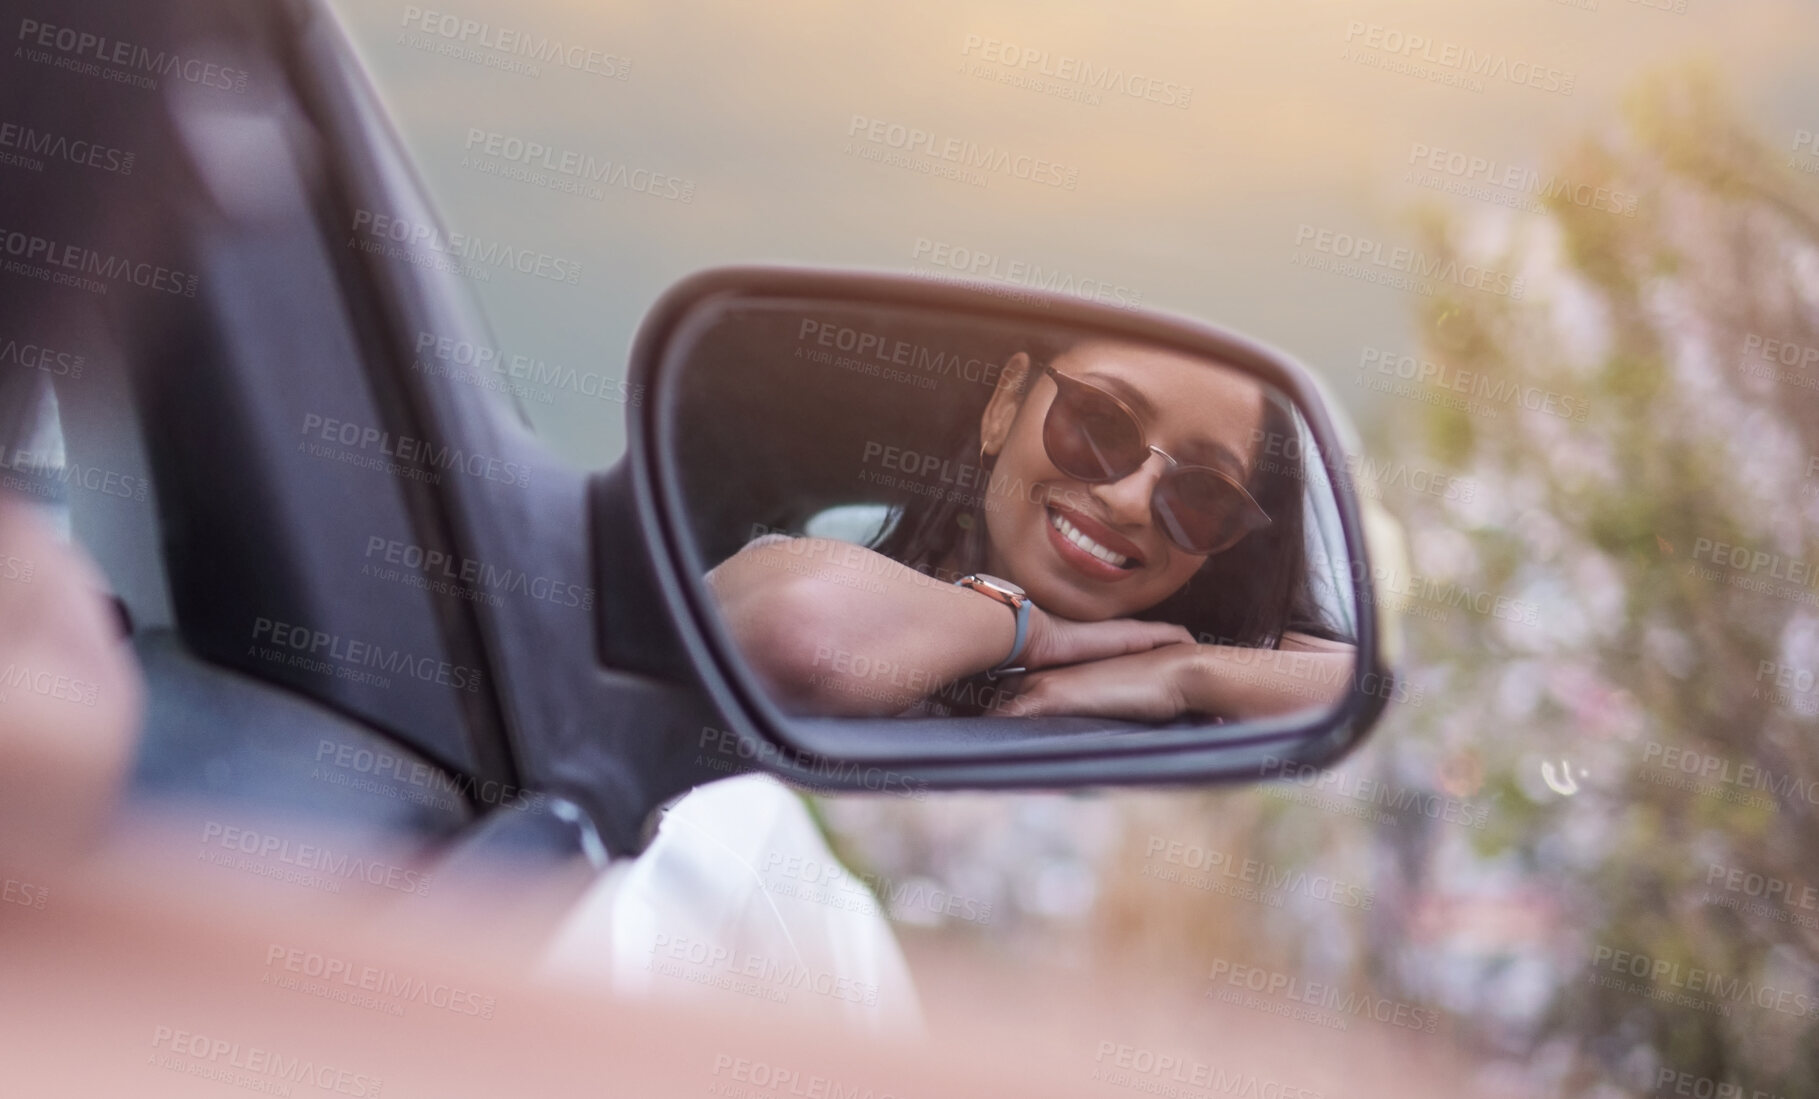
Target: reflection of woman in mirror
x,y
1129,491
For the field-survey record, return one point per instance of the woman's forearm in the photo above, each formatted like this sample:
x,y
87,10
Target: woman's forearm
x,y
837,629
1245,683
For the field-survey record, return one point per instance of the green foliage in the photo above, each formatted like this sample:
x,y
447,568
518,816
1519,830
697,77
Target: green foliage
x,y
1679,448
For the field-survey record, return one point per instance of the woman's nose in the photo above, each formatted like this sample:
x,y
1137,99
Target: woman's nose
x,y
1127,500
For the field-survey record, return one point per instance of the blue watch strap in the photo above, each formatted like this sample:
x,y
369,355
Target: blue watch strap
x,y
1023,635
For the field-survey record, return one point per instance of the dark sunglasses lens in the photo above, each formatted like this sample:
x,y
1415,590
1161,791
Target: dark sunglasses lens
x,y
1200,511
1089,437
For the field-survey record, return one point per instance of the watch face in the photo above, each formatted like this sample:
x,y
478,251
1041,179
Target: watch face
x,y
1001,584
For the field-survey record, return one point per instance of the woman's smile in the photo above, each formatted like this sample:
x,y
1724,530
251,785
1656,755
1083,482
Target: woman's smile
x,y
1091,547
1093,550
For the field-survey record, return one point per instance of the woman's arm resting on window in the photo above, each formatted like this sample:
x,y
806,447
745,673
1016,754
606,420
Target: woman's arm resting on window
x,y
834,628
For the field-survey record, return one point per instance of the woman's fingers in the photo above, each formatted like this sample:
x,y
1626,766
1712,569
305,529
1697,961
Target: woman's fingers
x,y
1159,634
1082,641
1135,687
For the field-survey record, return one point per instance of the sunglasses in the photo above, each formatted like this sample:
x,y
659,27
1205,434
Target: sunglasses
x,y
1092,436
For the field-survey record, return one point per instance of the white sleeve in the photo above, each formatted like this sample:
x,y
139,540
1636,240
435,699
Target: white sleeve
x,y
738,903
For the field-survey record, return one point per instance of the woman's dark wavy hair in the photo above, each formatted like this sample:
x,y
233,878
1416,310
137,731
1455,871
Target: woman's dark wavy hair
x,y
1249,595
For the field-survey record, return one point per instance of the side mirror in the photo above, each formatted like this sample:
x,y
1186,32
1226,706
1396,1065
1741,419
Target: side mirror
x,y
1160,515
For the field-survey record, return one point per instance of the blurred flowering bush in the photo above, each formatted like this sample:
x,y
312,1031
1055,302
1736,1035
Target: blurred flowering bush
x,y
1592,844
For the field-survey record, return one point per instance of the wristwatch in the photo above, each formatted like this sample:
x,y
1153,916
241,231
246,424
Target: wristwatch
x,y
1012,596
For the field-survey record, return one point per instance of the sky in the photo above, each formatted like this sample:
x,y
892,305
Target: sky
x,y
1201,157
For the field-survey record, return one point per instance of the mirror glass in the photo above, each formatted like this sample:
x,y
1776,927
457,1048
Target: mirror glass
x,y
874,492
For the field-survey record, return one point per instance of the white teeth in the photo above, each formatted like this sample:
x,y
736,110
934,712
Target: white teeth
x,y
1072,534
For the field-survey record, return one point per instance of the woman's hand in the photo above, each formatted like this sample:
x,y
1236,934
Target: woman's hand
x,y
1142,686
1054,640
1175,679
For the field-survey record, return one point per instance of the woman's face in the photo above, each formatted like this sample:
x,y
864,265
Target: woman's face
x,y
1038,516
